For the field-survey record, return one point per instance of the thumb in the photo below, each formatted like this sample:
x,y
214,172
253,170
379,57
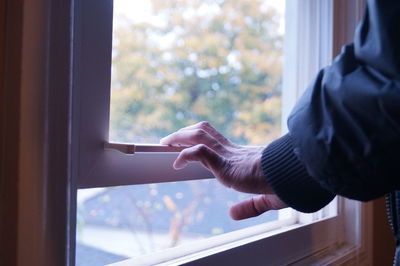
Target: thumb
x,y
256,206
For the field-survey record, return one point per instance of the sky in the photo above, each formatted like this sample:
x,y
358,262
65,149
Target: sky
x,y
138,9
136,6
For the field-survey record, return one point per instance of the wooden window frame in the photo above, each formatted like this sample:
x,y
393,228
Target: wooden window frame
x,y
47,183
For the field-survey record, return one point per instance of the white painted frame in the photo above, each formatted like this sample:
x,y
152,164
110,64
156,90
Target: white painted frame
x,y
336,239
100,167
331,241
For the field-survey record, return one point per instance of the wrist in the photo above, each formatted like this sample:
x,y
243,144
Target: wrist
x,y
289,179
258,172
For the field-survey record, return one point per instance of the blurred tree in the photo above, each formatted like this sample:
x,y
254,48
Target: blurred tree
x,y
195,60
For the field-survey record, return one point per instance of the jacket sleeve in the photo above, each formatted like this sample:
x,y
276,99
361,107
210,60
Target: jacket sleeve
x,y
344,133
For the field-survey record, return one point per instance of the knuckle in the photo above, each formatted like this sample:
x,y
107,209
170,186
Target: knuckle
x,y
266,202
184,152
200,134
219,146
182,155
204,124
187,152
202,148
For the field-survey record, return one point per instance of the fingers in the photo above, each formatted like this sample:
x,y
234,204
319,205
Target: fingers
x,y
199,153
191,137
206,127
256,206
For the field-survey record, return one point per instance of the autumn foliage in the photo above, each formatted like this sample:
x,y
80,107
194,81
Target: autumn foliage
x,y
195,60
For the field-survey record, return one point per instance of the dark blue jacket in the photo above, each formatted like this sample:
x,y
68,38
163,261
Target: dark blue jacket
x,y
344,133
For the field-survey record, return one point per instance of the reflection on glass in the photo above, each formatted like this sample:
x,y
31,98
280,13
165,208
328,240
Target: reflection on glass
x,y
123,222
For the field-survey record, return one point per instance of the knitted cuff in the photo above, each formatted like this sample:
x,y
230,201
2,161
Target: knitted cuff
x,y
289,179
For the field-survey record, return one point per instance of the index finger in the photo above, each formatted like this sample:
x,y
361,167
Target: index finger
x,y
206,126
193,137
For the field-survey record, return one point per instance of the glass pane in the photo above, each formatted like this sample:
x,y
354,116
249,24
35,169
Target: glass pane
x,y
123,222
178,62
175,63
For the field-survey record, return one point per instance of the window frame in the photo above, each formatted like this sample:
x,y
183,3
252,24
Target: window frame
x,y
94,166
100,166
46,171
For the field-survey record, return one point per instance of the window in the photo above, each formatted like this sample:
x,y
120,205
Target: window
x,y
309,25
175,63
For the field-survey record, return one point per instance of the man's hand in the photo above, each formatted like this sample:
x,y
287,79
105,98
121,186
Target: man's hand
x,y
238,167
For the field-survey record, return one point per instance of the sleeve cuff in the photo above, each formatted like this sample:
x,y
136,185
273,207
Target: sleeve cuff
x,y
288,178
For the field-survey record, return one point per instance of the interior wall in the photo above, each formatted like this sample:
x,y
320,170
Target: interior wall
x,y
10,74
383,242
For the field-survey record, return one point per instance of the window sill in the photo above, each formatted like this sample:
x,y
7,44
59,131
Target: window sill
x,y
277,238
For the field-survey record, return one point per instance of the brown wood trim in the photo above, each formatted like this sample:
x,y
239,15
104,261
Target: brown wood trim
x,y
346,15
10,74
44,170
34,136
383,242
61,211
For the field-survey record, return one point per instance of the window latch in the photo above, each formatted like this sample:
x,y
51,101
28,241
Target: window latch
x,y
129,148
